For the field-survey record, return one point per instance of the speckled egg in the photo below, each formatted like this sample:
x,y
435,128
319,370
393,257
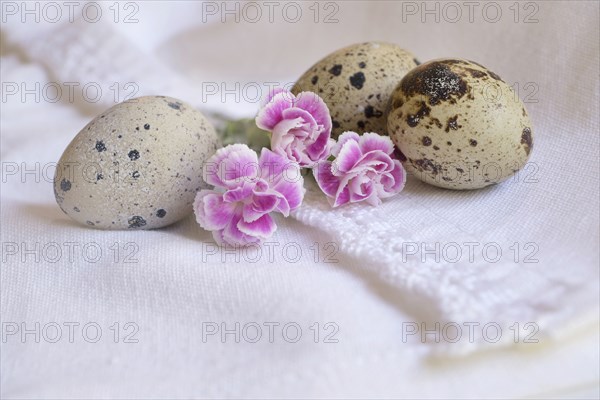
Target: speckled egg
x,y
458,125
138,165
356,83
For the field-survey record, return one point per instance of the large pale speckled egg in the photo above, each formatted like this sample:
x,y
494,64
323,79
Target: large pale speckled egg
x,y
458,125
356,83
138,165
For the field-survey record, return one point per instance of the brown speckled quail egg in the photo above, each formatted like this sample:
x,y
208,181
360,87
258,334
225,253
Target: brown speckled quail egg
x,y
458,125
356,83
138,165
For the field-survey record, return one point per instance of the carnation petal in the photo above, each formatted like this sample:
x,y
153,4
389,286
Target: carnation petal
x,y
212,213
232,235
262,228
271,113
218,237
274,165
239,193
315,105
373,142
373,199
281,138
359,187
303,115
348,157
399,174
327,181
291,194
392,182
272,93
230,166
342,139
262,203
319,150
342,197
376,160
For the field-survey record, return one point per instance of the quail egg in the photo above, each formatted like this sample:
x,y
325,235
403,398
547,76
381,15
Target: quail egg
x,y
458,125
137,165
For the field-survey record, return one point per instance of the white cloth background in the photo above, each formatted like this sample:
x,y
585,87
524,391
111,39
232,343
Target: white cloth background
x,y
373,288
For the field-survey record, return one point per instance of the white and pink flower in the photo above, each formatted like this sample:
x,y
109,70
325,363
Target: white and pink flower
x,y
300,126
365,169
247,190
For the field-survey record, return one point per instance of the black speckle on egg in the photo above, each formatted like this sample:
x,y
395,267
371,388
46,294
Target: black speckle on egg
x,y
135,174
65,185
371,112
435,80
358,80
136,222
100,146
413,119
476,73
452,124
336,70
473,142
146,126
174,106
426,164
314,80
362,64
133,155
426,141
526,140
161,213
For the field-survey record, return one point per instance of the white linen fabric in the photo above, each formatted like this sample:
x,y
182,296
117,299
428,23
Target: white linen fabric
x,y
522,252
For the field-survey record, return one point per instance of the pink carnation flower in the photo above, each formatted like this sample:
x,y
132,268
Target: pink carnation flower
x,y
300,126
247,190
364,169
